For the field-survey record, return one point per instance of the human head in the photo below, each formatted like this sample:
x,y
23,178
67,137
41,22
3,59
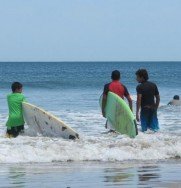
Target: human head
x,y
116,75
141,75
16,87
176,97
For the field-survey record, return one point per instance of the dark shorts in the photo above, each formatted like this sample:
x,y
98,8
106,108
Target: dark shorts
x,y
149,119
14,131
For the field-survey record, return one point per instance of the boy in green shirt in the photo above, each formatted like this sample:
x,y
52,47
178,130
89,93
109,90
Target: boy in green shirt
x,y
15,123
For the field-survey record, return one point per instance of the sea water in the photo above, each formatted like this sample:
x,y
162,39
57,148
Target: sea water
x,y
71,91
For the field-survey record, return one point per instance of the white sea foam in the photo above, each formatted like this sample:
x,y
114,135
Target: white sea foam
x,y
94,143
157,146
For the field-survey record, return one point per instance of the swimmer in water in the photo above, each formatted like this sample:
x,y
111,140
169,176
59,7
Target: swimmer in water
x,y
175,101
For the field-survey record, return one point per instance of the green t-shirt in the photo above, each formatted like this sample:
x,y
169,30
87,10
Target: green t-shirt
x,y
15,110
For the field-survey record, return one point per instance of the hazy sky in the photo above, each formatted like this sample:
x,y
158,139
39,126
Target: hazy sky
x,y
78,30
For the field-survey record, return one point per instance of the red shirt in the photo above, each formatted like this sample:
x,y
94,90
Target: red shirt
x,y
117,88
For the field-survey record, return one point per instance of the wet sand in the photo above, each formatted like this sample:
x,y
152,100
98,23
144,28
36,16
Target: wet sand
x,y
92,174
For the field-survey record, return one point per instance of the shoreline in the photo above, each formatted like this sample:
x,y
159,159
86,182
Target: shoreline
x,y
97,162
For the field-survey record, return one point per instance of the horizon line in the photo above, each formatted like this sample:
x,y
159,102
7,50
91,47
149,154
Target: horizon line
x,y
86,61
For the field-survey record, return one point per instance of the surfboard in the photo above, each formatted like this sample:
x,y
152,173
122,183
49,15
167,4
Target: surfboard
x,y
119,115
46,123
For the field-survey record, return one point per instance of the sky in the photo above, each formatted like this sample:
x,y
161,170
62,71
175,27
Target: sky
x,y
90,30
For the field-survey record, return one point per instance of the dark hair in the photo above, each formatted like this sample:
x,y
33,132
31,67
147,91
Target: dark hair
x,y
15,86
115,75
176,97
142,73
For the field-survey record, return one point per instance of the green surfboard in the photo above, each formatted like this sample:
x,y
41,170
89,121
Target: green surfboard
x,y
119,115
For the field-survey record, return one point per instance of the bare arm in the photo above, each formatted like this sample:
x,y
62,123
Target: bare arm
x,y
157,101
138,106
130,102
104,100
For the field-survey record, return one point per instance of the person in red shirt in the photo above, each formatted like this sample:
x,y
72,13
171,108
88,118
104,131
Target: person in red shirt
x,y
116,87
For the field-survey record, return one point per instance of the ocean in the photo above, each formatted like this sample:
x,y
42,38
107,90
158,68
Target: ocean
x,y
71,91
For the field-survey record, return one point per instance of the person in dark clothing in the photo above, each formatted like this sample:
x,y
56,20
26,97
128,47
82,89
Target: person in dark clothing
x,y
148,100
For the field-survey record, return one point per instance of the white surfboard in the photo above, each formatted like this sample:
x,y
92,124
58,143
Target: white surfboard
x,y
45,123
